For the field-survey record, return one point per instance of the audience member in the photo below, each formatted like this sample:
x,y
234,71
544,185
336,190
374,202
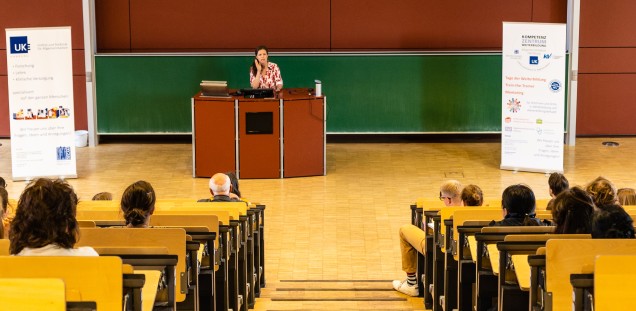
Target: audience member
x,y
220,187
602,191
44,223
612,222
557,183
572,211
412,240
138,204
626,196
472,196
518,204
234,185
4,202
103,196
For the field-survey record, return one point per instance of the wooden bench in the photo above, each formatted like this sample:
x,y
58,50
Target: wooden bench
x,y
487,261
143,248
96,279
566,257
447,244
466,223
204,229
245,237
226,241
32,294
615,282
514,270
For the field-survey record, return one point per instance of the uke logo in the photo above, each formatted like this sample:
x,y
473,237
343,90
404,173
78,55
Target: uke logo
x,y
19,45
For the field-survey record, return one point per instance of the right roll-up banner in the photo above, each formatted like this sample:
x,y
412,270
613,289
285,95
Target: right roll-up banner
x,y
533,96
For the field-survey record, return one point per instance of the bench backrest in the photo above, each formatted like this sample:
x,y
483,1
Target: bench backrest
x,y
615,282
97,279
32,294
565,257
174,239
460,217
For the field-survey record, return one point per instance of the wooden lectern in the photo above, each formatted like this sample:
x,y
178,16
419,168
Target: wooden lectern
x,y
259,138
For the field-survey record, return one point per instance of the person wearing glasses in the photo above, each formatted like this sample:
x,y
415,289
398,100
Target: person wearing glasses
x,y
412,240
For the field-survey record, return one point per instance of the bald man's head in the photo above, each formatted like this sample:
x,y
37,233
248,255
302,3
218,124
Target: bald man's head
x,y
220,184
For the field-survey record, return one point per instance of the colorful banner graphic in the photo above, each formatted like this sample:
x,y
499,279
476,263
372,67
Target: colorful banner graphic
x,y
533,97
40,75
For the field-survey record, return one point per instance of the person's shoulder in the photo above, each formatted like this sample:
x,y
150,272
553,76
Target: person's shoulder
x,y
205,200
84,251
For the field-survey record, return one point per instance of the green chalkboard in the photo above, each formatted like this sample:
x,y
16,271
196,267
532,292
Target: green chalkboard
x,y
365,93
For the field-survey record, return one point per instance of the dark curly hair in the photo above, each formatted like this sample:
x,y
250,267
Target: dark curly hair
x,y
45,215
138,203
612,222
572,211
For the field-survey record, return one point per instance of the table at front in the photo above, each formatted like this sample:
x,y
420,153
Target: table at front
x,y
259,138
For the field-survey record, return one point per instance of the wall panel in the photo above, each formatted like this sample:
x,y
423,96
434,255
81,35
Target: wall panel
x,y
608,23
235,25
606,105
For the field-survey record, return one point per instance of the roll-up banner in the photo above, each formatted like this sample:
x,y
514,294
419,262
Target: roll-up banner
x,y
533,96
40,75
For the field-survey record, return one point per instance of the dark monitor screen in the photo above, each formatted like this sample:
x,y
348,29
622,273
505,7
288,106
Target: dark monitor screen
x,y
257,93
259,123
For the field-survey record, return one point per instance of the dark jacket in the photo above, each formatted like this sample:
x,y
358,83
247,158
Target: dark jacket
x,y
220,198
515,220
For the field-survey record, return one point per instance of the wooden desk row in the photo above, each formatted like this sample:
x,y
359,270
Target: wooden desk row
x,y
240,242
211,254
475,267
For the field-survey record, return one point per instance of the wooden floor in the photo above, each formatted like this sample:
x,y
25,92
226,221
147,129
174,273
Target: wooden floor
x,y
332,240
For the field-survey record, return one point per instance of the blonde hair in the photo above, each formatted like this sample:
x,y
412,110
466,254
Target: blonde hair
x,y
451,189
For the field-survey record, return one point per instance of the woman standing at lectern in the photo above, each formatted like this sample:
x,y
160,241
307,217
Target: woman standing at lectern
x,y
265,74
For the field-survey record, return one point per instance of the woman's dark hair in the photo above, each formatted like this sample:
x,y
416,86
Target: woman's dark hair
x,y
612,222
138,203
234,183
45,215
4,197
572,211
519,202
3,183
258,48
103,196
4,202
557,183
472,196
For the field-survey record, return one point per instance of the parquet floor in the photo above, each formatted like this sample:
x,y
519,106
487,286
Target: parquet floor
x,y
331,241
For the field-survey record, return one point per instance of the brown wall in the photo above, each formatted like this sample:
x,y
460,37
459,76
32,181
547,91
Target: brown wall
x,y
317,25
45,13
607,68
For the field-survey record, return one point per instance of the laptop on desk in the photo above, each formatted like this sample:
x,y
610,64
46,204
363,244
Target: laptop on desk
x,y
214,89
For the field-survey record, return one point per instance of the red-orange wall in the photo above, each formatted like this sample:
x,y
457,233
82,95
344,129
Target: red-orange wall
x,y
316,25
45,13
607,68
